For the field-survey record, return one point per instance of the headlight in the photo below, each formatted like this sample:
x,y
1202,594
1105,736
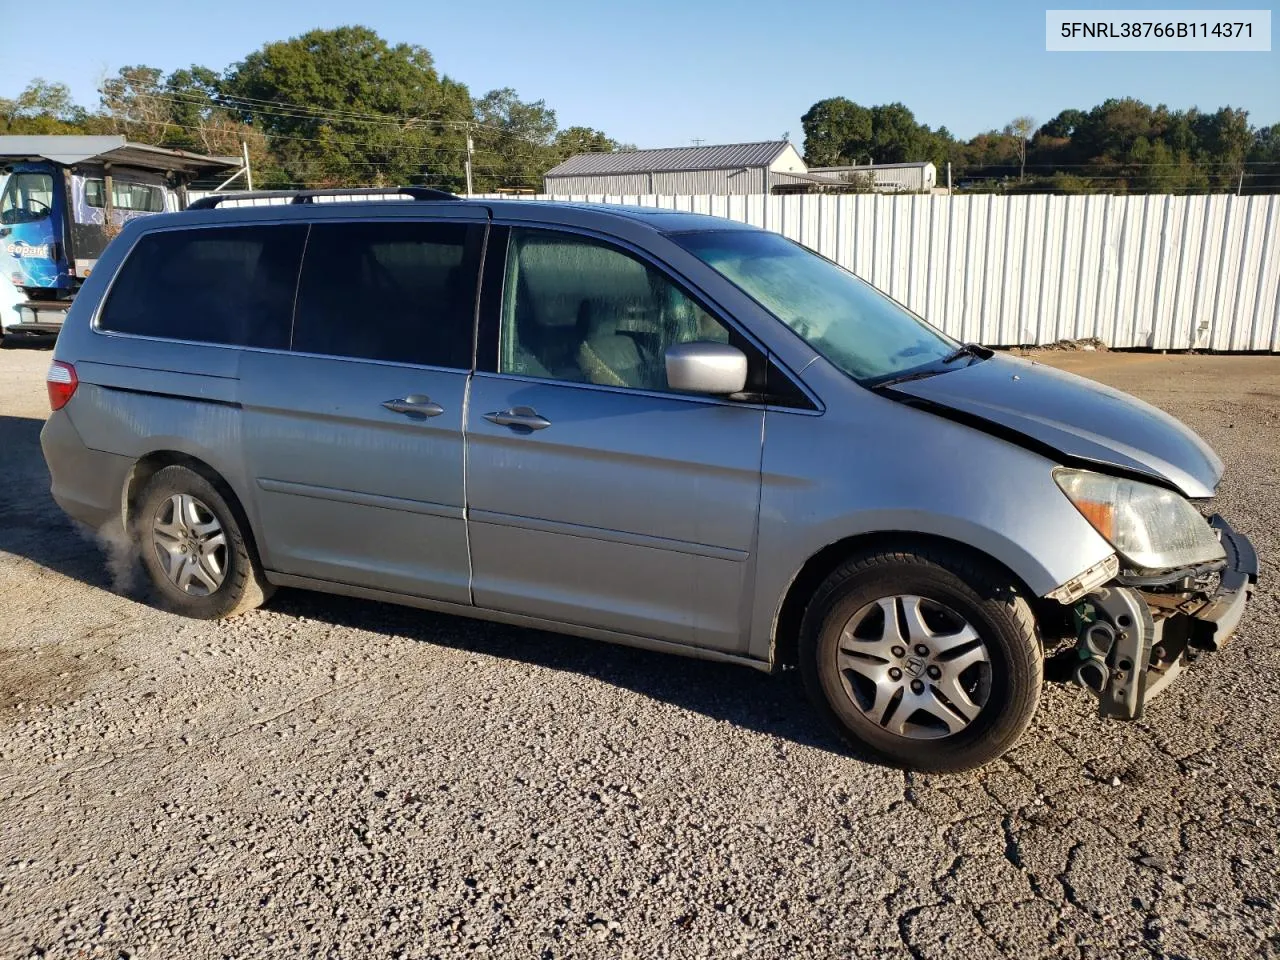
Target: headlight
x,y
1153,528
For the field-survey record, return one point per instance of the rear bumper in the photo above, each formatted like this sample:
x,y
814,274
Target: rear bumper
x,y
87,484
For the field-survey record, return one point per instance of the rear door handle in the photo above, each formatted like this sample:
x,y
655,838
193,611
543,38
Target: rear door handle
x,y
525,417
414,405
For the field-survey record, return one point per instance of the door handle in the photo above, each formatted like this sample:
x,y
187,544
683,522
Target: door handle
x,y
414,405
525,417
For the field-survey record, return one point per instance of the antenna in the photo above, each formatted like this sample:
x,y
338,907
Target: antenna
x,y
697,141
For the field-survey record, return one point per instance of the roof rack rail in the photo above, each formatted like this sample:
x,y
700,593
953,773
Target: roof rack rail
x,y
308,196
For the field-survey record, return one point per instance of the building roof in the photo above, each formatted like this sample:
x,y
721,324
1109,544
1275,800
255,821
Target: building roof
x,y
669,160
68,150
872,167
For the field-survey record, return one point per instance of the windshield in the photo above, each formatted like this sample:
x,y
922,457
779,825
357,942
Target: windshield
x,y
848,321
27,197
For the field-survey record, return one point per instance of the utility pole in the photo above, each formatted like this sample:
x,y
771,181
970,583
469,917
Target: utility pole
x,y
948,178
244,154
1240,185
470,150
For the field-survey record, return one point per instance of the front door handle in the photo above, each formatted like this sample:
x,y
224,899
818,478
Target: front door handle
x,y
525,417
414,405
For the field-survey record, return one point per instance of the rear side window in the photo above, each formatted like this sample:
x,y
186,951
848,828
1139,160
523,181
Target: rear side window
x,y
228,285
402,292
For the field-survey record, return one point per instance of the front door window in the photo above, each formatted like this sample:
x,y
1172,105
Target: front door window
x,y
582,311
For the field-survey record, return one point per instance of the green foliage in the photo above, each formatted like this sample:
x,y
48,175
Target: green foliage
x,y
575,140
836,130
839,132
1119,146
343,106
858,183
42,108
328,108
513,141
1127,146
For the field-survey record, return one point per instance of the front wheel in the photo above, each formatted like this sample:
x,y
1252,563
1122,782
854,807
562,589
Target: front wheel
x,y
925,659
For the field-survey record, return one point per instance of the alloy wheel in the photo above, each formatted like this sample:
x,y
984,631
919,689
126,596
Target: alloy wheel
x,y
190,544
914,667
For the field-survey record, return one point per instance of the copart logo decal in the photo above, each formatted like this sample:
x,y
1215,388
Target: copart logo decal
x,y
31,251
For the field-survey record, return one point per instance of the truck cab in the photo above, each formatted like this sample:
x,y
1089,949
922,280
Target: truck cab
x,y
62,200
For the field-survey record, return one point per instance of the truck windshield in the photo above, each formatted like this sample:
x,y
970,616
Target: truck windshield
x,y
867,335
27,197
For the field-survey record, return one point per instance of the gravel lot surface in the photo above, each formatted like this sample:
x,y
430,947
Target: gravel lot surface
x,y
335,778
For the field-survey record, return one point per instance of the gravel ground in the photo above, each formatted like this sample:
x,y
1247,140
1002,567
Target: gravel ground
x,y
336,778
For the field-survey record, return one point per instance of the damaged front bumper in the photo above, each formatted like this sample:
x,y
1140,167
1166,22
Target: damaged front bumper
x,y
1136,634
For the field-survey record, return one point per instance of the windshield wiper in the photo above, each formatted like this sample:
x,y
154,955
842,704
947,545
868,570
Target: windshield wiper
x,y
915,375
977,351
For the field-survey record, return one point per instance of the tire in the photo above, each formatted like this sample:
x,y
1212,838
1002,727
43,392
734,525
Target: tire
x,y
968,679
194,549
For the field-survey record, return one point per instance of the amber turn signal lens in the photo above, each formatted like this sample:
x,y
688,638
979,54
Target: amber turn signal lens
x,y
1101,515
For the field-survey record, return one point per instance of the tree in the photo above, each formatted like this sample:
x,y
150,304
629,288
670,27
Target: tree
x,y
837,132
896,137
1064,125
135,103
42,108
343,106
574,140
1225,140
1020,129
513,140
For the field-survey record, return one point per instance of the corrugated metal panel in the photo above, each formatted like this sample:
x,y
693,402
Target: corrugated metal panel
x,y
1168,273
724,155
680,183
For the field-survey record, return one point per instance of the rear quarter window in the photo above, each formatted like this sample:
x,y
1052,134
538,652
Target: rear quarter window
x,y
225,285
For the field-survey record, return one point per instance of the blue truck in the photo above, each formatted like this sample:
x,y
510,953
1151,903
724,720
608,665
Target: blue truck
x,y
62,199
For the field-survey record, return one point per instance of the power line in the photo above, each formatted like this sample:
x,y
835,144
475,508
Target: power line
x,y
433,150
334,114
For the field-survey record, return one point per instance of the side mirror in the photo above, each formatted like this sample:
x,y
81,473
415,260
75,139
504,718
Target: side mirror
x,y
705,367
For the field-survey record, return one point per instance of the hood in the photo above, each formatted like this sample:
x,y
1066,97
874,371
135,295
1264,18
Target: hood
x,y
1082,420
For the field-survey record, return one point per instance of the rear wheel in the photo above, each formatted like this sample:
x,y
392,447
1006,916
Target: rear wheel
x,y
923,658
193,548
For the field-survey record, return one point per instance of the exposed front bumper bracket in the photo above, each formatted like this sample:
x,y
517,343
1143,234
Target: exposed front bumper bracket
x,y
1127,656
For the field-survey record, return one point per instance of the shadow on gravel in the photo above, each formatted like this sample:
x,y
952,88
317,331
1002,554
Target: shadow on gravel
x,y
772,705
29,341
33,526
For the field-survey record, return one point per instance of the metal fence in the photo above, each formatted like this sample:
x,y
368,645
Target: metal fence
x,y
1162,272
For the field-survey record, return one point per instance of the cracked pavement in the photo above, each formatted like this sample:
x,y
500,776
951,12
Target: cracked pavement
x,y
335,778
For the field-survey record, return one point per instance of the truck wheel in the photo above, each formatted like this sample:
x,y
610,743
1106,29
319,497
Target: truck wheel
x,y
193,548
924,659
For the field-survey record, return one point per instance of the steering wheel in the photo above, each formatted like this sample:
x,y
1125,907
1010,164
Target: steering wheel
x,y
41,203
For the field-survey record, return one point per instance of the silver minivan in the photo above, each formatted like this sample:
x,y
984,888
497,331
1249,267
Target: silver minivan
x,y
642,426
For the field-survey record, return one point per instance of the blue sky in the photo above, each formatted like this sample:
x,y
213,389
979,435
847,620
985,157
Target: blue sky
x,y
661,73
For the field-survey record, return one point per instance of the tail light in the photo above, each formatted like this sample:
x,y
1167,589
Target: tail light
x,y
62,382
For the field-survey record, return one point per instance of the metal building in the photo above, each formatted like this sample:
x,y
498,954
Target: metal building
x,y
916,177
735,168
